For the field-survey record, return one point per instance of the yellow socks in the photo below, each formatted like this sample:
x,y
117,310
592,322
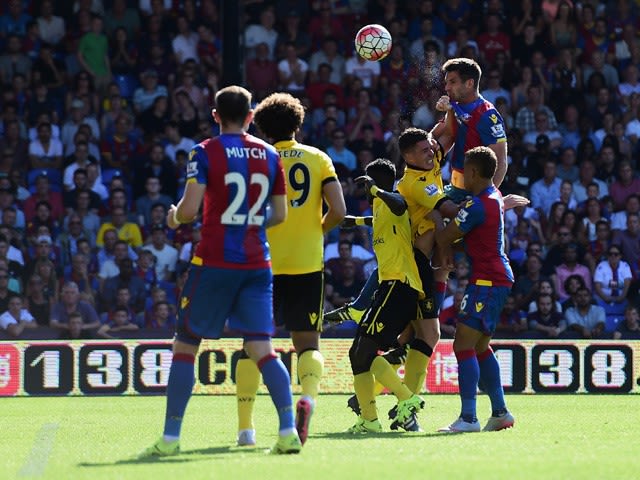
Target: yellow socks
x,y
387,376
310,367
378,387
247,383
415,369
363,386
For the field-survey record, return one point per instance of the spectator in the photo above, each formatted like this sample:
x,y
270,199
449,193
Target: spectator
x,y
338,151
45,151
52,27
125,278
76,329
625,185
166,255
261,71
493,40
364,70
348,287
494,89
262,33
612,279
120,322
526,286
542,129
512,321
121,150
632,205
292,70
568,268
153,196
14,62
598,65
16,319
110,261
36,301
330,56
144,96
127,231
185,44
156,165
629,242
175,141
525,118
69,304
586,178
43,193
546,321
79,116
629,327
121,16
5,294
546,190
567,169
586,319
93,55
591,219
161,318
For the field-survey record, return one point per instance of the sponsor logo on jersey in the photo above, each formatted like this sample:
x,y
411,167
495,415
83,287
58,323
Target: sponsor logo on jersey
x,y
431,189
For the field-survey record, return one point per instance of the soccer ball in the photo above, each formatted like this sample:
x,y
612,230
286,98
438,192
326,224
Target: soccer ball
x,y
373,42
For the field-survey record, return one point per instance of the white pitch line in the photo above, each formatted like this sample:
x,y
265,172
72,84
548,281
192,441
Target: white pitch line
x,y
38,457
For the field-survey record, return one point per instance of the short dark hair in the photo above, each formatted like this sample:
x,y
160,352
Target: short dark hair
x,y
484,159
279,116
410,137
383,172
465,67
233,104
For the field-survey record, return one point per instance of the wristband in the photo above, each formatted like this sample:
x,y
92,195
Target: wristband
x,y
360,221
374,190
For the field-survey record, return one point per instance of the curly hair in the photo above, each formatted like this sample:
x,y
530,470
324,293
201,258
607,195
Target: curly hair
x,y
279,116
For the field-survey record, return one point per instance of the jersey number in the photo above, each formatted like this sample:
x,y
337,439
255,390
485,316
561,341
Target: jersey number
x,y
231,215
299,186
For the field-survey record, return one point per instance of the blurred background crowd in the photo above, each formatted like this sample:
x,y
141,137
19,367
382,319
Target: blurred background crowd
x,y
102,100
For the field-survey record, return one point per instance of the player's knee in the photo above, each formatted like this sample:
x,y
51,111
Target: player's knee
x,y
421,346
362,353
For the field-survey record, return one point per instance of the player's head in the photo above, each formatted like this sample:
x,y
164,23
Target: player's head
x,y
461,79
279,116
480,165
419,148
233,107
383,172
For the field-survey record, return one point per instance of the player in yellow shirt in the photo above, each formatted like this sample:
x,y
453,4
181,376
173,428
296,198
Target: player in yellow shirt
x,y
297,257
395,303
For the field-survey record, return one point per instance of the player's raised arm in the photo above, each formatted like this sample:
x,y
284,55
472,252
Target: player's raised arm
x,y
336,208
396,202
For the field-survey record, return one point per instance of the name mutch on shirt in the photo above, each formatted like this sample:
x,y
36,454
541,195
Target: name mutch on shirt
x,y
246,152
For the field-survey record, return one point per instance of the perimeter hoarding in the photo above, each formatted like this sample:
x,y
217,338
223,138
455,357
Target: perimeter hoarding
x,y
131,367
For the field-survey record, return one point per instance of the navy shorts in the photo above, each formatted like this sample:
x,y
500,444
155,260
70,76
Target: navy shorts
x,y
212,295
481,306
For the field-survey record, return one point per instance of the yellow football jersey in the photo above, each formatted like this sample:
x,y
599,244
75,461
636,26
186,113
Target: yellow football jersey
x,y
422,190
393,246
297,244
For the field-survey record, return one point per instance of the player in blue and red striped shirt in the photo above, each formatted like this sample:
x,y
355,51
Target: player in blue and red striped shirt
x,y
481,223
237,175
474,122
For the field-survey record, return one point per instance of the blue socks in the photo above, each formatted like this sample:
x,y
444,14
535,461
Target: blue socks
x,y
179,387
366,294
468,377
490,375
278,382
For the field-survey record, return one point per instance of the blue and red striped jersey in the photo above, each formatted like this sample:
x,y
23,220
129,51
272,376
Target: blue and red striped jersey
x,y
482,221
478,125
241,173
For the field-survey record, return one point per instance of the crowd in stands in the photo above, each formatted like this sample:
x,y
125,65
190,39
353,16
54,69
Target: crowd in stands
x,y
102,100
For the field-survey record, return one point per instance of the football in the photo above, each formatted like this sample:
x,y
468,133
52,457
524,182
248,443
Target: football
x,y
373,42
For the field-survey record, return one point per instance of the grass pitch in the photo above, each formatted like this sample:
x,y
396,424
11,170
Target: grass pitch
x,y
564,437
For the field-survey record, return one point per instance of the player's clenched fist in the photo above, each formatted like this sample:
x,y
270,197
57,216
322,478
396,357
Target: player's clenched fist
x,y
443,104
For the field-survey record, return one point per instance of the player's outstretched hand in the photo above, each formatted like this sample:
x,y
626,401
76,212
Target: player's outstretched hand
x,y
513,201
365,180
443,104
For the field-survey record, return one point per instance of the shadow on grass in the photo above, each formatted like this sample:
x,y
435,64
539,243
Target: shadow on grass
x,y
195,455
391,434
